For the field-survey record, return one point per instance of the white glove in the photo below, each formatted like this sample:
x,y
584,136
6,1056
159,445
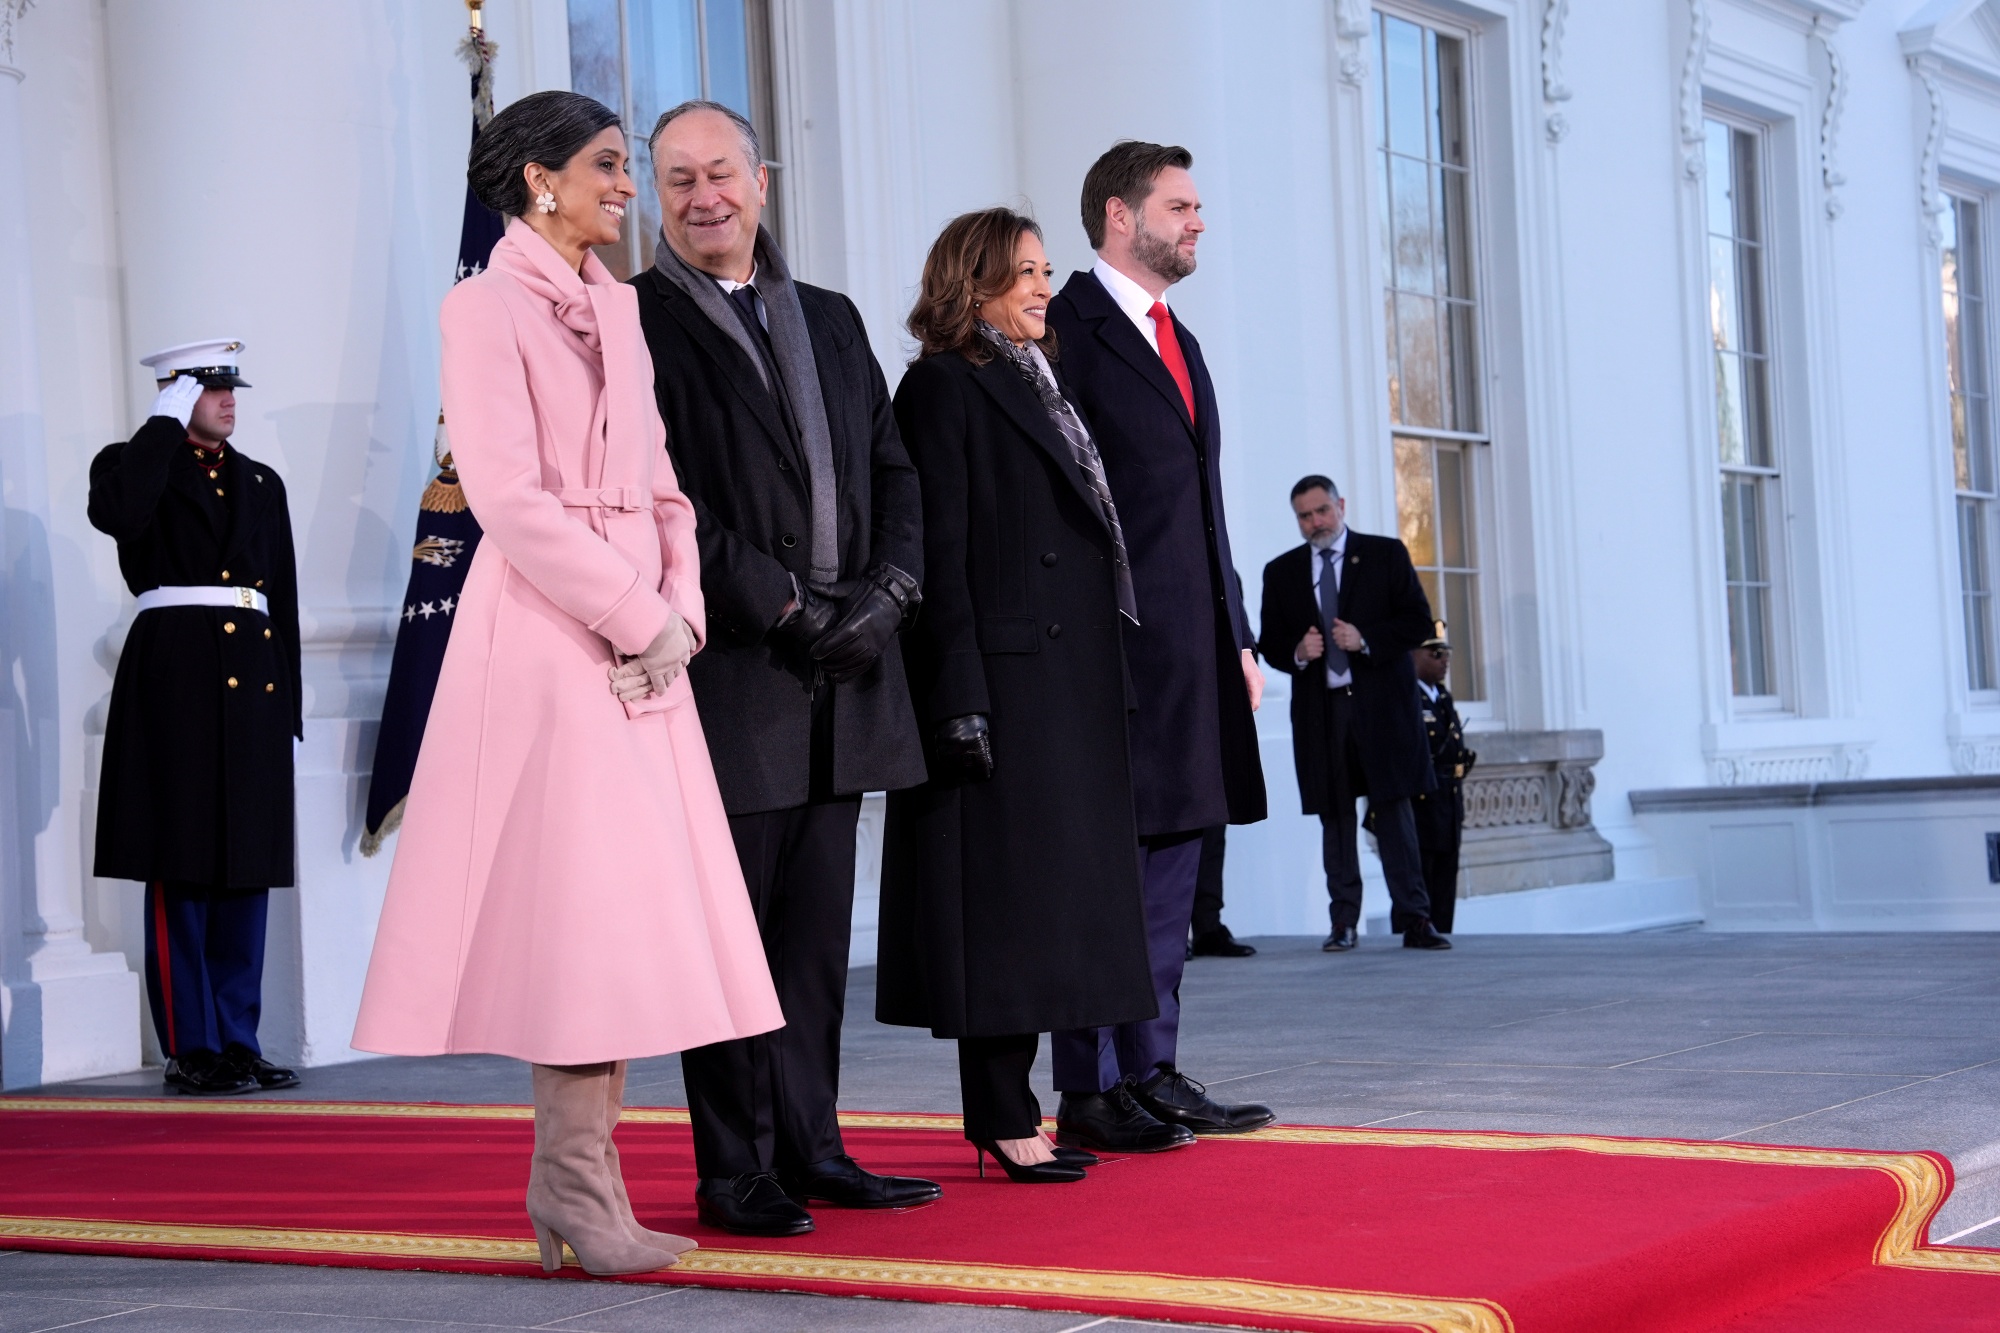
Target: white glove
x,y
177,400
654,669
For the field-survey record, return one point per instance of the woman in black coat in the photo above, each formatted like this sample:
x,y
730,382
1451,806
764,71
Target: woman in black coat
x,y
1010,890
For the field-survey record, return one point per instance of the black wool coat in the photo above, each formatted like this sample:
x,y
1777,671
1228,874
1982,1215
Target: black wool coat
x,y
196,783
1012,905
1381,597
746,473
1194,739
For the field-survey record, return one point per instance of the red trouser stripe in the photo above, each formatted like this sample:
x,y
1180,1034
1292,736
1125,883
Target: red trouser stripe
x,y
163,960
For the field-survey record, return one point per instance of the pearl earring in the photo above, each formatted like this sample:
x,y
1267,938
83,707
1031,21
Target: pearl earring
x,y
546,201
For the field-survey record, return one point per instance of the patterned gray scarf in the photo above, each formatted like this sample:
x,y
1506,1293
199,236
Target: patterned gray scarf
x,y
1032,368
791,346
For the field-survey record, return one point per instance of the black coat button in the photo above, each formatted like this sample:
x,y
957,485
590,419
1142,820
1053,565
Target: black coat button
x,y
1055,631
788,540
783,466
1049,559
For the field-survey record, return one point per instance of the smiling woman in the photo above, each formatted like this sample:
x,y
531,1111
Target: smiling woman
x,y
557,161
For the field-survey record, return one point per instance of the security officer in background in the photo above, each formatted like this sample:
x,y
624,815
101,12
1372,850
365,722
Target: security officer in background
x,y
196,793
1441,814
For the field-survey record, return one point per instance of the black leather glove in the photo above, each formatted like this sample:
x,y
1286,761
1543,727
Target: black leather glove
x,y
964,748
869,619
811,619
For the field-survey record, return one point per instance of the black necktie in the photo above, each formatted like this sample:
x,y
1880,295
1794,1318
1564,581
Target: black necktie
x,y
743,300
1329,608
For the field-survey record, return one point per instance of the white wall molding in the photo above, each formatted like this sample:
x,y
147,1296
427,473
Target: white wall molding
x,y
1351,28
1831,176
1555,89
1691,104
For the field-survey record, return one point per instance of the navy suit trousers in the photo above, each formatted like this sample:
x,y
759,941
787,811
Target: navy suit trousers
x,y
205,966
1094,1059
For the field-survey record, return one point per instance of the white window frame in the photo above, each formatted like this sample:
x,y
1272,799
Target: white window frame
x,y
1958,192
1480,474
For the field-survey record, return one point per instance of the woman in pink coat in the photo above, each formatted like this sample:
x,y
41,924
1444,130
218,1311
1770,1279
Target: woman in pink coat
x,y
565,890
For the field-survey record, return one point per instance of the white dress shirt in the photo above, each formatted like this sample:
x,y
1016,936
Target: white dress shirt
x,y
1334,679
1133,299
1430,690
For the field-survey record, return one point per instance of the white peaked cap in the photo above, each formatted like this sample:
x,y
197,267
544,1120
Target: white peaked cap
x,y
213,361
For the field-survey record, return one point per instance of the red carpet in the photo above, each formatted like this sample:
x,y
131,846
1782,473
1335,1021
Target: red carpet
x,y
1327,1229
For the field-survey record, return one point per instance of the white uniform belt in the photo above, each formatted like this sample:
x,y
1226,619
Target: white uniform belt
x,y
244,599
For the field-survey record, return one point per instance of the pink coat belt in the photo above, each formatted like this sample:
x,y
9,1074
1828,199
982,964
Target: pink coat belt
x,y
603,497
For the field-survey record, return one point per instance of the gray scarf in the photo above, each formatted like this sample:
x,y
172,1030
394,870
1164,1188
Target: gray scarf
x,y
1028,361
791,345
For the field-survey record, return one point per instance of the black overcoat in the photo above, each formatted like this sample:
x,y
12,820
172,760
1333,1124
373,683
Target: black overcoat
x,y
1194,740
196,783
745,472
1012,905
1381,597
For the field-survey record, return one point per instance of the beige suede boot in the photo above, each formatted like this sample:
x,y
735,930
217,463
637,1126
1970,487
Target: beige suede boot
x,y
570,1193
614,1106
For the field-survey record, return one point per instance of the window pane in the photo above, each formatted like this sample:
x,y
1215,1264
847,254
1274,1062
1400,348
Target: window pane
x,y
1460,611
1756,411
1453,522
1749,224
1723,321
1416,503
1413,233
1461,380
1403,80
1716,162
1451,119
1416,327
1455,248
1750,297
728,55
666,71
596,66
1977,594
1729,408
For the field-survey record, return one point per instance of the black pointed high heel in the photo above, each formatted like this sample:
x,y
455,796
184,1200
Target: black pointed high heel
x,y
1039,1173
1076,1156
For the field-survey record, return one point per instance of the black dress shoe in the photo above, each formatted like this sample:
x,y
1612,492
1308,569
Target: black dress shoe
x,y
1219,943
840,1180
1173,1098
266,1075
1056,1172
1340,941
1424,936
750,1205
202,1074
1113,1122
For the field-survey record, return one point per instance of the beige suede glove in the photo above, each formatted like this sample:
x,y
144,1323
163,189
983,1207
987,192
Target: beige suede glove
x,y
654,669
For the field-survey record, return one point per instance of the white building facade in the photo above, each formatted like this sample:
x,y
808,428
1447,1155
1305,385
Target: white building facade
x,y
1659,329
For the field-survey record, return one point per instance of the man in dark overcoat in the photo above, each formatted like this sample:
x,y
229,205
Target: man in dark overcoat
x,y
1341,614
810,526
1138,376
1440,814
195,797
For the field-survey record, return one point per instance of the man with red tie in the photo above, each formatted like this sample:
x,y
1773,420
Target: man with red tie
x,y
1139,377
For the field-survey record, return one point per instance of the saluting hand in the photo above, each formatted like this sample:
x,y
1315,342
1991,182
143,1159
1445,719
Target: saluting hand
x,y
177,399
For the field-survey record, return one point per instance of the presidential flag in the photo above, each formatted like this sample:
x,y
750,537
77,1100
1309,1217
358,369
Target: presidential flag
x,y
447,535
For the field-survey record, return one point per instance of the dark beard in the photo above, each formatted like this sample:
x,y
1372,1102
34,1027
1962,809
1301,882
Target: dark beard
x,y
1160,255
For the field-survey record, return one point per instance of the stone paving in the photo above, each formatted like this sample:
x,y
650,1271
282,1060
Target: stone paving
x,y
1864,1041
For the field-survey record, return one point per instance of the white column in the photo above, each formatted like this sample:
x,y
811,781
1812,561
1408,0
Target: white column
x,y
66,1011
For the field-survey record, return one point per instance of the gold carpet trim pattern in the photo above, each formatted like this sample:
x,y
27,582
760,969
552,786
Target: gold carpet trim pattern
x,y
1161,1290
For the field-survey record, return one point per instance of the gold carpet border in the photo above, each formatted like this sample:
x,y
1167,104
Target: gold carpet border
x,y
1917,1176
1219,1296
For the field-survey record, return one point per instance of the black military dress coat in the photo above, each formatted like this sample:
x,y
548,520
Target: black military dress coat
x,y
196,783
1012,905
1381,597
745,471
1194,739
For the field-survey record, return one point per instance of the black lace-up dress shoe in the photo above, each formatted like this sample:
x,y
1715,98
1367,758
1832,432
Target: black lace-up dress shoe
x,y
266,1075
1425,936
204,1074
750,1205
1219,943
1173,1098
1342,939
1114,1122
840,1180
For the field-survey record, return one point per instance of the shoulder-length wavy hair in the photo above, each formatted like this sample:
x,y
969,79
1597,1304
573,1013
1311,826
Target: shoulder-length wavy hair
x,y
971,261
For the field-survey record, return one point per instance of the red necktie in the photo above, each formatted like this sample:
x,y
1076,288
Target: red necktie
x,y
1170,352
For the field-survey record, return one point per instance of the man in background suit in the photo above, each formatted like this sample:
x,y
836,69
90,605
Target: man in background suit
x,y
809,522
1139,377
1341,614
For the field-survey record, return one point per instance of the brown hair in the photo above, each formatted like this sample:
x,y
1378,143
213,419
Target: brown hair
x,y
971,261
1126,171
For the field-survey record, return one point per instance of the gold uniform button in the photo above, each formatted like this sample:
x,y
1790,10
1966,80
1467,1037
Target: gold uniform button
x,y
225,573
213,474
260,583
267,634
268,689
218,490
228,627
232,682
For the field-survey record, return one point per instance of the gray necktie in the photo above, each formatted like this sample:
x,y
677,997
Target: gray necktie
x,y
1329,608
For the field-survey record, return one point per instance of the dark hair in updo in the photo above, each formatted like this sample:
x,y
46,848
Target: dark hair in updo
x,y
549,128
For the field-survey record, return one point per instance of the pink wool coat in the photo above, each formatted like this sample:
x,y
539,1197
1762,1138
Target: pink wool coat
x,y
565,887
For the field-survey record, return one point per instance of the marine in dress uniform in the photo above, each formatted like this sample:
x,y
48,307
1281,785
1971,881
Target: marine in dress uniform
x,y
1440,814
196,794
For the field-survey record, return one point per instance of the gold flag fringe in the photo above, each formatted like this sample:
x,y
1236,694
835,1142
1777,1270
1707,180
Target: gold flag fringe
x,y
372,839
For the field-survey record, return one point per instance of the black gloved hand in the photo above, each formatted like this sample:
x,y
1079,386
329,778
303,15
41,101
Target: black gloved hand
x,y
811,619
964,749
869,619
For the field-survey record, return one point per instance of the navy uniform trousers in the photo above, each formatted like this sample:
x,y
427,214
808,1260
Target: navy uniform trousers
x,y
205,966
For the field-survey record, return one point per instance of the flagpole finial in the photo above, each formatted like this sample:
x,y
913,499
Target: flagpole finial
x,y
478,19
